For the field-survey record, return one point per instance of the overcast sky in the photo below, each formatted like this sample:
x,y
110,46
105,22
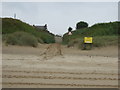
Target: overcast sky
x,y
60,15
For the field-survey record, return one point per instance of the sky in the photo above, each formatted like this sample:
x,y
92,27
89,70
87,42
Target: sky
x,y
59,16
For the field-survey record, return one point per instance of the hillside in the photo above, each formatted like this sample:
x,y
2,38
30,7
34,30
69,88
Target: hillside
x,y
10,26
102,33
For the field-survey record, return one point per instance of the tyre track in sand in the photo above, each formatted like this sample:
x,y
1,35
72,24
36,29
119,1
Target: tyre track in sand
x,y
60,84
7,79
52,72
56,77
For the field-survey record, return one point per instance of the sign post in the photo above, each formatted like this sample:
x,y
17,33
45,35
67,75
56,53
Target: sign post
x,y
88,41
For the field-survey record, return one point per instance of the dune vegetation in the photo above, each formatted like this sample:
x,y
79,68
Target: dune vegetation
x,y
103,34
13,28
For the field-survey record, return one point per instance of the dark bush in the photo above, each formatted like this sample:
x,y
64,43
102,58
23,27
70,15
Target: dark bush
x,y
69,29
81,24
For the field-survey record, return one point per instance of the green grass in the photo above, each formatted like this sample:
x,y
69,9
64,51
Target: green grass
x,y
21,38
103,34
10,25
98,41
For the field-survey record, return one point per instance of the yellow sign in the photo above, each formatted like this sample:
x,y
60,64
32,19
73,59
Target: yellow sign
x,y
87,39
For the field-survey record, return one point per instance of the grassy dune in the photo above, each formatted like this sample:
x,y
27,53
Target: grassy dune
x,y
10,26
103,34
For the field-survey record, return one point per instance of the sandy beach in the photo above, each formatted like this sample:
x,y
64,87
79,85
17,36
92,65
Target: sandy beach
x,y
25,67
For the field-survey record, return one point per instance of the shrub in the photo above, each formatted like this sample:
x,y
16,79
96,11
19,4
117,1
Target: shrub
x,y
69,29
21,38
81,24
40,40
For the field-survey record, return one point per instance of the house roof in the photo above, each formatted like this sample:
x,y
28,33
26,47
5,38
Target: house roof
x,y
41,27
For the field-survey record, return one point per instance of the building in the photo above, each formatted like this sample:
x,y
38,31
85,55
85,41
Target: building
x,y
41,27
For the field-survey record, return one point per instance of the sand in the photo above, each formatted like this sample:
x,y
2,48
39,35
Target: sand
x,y
25,67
